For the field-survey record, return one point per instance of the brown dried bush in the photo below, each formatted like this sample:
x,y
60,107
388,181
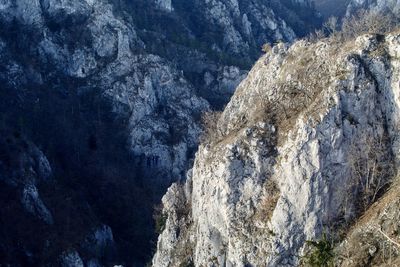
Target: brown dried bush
x,y
361,22
364,22
372,169
210,127
271,199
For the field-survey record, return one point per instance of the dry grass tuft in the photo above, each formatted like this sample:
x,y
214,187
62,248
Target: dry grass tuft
x,y
210,127
269,202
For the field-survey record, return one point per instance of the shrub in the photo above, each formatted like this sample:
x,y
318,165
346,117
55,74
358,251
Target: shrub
x,y
210,126
160,219
367,22
266,48
362,22
331,25
372,168
316,36
187,263
321,253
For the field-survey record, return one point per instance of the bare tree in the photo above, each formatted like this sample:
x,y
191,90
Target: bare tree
x,y
210,126
372,168
316,36
331,25
364,22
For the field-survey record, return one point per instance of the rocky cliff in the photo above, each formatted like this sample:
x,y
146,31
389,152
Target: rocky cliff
x,y
216,42
329,8
309,140
391,6
343,8
107,96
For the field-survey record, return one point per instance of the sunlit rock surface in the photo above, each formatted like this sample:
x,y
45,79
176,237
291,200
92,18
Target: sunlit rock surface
x,y
111,94
283,169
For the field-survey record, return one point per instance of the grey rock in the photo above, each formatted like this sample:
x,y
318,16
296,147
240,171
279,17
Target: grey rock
x,y
33,204
115,98
375,5
164,5
93,263
283,171
100,241
71,259
22,167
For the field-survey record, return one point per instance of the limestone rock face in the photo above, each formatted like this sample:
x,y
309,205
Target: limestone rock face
x,y
32,195
254,16
342,8
33,204
210,36
71,259
165,5
23,167
284,168
376,5
111,95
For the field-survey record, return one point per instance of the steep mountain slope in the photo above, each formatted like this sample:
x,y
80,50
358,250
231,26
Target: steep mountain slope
x,y
72,83
308,141
110,94
330,8
374,239
222,37
342,8
376,5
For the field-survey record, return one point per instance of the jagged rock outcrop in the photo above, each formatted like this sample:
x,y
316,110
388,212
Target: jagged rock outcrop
x,y
343,8
392,6
23,167
294,156
102,111
220,34
71,259
113,99
165,5
39,215
329,8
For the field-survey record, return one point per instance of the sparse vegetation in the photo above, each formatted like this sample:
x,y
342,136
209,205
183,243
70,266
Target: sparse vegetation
x,y
362,22
271,199
210,126
188,263
160,219
266,48
374,238
321,253
372,169
331,25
